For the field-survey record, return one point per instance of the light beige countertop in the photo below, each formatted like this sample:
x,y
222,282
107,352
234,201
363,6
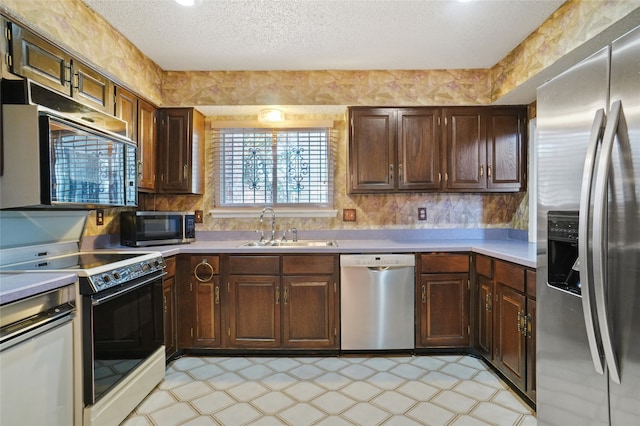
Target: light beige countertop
x,y
19,285
516,251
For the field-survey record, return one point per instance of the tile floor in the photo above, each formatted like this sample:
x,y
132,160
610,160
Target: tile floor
x,y
335,391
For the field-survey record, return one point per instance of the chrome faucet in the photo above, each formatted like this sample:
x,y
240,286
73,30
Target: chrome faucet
x,y
273,221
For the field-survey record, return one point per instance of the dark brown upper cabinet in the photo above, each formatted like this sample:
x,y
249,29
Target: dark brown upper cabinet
x,y
181,151
393,149
478,149
140,116
35,58
485,149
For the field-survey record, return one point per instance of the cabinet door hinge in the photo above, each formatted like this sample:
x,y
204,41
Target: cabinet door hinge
x,y
335,287
468,330
191,332
229,331
9,60
446,122
438,121
335,331
468,284
190,286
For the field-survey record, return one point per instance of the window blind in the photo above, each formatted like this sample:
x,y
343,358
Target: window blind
x,y
286,167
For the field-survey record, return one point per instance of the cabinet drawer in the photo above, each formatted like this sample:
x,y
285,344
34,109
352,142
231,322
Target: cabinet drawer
x,y
484,266
254,265
171,267
531,283
510,275
308,265
442,263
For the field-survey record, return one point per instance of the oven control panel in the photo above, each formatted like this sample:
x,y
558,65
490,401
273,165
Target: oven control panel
x,y
122,274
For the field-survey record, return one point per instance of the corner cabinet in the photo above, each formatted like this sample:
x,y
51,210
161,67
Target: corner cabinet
x,y
34,57
140,116
181,151
485,149
478,149
506,316
393,149
442,301
484,306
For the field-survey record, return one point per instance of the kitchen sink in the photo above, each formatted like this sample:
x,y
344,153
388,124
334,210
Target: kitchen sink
x,y
299,243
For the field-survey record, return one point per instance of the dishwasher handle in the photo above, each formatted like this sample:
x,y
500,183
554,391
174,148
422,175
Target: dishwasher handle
x,y
34,326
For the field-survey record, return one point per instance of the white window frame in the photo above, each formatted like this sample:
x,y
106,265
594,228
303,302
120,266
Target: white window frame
x,y
282,209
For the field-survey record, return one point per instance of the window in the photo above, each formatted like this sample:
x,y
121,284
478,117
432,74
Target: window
x,y
277,167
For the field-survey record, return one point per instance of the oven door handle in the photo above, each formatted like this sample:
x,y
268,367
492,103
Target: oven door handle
x,y
98,300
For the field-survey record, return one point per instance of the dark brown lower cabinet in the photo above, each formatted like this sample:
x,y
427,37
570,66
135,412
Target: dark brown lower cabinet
x,y
531,348
264,302
254,311
442,301
505,319
169,296
510,349
199,301
308,312
484,340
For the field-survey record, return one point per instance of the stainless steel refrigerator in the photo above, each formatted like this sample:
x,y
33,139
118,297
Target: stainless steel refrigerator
x,y
588,342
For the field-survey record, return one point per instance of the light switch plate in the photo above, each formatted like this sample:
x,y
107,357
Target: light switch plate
x,y
422,213
198,216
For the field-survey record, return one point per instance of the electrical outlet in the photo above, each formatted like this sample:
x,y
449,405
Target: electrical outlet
x,y
349,215
422,213
99,217
198,216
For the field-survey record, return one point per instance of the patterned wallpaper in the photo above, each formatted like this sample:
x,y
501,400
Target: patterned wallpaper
x,y
72,24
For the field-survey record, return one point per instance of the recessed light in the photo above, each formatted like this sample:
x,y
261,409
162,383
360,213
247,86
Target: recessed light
x,y
189,3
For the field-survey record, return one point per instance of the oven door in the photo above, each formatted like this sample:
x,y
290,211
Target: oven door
x,y
122,327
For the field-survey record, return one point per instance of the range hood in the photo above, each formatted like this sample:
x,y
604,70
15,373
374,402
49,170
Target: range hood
x,y
28,92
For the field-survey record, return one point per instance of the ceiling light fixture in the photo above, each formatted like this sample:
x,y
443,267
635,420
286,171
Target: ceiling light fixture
x,y
271,115
189,3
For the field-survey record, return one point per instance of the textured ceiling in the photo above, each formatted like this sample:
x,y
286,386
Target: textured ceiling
x,y
325,34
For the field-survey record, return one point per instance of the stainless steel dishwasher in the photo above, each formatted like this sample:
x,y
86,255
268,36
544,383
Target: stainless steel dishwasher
x,y
377,301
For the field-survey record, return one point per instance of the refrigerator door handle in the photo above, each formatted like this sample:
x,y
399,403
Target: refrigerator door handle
x,y
583,241
616,125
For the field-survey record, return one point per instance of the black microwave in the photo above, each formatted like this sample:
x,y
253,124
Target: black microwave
x,y
152,228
